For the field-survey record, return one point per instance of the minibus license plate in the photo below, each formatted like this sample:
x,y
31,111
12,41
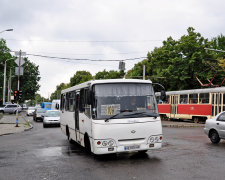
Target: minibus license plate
x,y
131,147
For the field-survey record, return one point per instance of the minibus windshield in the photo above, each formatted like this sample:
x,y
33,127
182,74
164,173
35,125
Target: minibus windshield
x,y
124,101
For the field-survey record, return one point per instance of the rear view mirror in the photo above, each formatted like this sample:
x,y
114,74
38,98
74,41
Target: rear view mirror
x,y
57,106
163,95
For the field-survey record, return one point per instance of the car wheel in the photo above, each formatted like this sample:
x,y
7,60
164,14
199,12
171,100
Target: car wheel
x,y
142,152
214,137
87,144
44,125
2,112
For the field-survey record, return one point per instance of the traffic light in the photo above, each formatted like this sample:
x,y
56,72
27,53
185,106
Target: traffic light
x,y
19,95
15,95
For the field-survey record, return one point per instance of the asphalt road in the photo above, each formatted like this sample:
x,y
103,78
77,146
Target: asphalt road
x,y
46,154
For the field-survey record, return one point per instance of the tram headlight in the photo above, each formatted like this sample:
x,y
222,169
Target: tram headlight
x,y
106,143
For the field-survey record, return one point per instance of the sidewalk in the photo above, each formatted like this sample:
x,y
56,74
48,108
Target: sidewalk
x,y
8,123
176,124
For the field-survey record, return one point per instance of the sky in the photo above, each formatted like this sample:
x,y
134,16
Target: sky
x,y
100,30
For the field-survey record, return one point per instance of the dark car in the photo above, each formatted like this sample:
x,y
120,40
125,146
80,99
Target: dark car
x,y
39,114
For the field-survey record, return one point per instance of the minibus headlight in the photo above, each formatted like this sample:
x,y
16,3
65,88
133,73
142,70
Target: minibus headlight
x,y
154,139
111,143
106,143
151,139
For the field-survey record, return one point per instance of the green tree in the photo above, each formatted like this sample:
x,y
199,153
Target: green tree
x,y
218,43
4,55
109,74
80,77
56,94
178,62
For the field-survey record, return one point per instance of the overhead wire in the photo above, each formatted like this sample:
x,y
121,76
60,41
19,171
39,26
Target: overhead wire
x,y
83,59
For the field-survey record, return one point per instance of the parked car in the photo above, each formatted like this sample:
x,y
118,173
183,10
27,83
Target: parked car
x,y
51,117
24,107
215,128
30,111
10,108
39,114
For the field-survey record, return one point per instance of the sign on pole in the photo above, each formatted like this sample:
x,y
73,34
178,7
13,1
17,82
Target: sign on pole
x,y
17,53
21,61
17,71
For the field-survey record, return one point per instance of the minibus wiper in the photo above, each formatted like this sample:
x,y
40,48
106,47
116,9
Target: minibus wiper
x,y
149,115
107,119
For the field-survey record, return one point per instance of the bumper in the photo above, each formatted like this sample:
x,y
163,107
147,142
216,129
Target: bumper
x,y
206,131
39,117
52,122
120,149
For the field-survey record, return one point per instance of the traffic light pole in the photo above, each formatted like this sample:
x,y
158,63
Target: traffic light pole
x,y
18,85
18,88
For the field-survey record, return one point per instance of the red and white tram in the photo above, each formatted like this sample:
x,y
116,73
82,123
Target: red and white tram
x,y
195,104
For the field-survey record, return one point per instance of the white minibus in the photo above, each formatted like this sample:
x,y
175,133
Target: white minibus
x,y
112,116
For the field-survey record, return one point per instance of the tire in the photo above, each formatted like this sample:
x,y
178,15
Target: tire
x,y
87,144
68,136
142,152
214,137
44,125
2,112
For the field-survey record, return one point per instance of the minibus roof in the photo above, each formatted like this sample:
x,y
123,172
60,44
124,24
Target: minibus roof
x,y
105,81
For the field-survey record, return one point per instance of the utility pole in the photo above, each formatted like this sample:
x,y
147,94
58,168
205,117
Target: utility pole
x,y
144,72
4,83
18,85
9,86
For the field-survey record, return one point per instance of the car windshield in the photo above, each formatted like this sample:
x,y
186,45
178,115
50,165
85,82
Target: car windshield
x,y
41,110
52,114
48,106
124,101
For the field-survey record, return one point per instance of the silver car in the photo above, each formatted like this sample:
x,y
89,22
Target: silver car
x,y
215,128
10,108
51,117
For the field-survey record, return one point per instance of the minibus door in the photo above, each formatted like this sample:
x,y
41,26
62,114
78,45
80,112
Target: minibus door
x,y
77,129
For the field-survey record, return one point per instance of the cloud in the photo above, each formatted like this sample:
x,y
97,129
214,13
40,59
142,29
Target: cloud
x,y
74,29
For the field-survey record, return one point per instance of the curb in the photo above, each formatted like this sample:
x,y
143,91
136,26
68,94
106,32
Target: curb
x,y
31,127
181,126
28,129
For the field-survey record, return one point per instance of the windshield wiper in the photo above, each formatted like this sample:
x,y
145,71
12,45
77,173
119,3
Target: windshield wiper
x,y
155,115
107,119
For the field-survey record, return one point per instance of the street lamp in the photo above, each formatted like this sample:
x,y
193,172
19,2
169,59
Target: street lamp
x,y
5,80
6,30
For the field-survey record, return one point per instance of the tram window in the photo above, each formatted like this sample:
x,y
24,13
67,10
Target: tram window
x,y
183,99
167,101
193,98
204,98
159,101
